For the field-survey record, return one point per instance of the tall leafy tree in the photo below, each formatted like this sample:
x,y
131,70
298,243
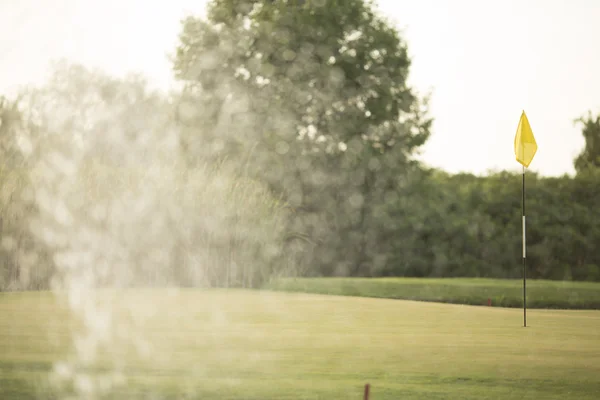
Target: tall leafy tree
x,y
311,96
590,155
19,251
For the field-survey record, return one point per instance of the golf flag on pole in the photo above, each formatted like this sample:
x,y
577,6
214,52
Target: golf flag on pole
x,y
525,144
525,149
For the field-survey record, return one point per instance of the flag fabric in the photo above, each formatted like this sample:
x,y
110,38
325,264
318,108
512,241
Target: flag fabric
x,y
525,144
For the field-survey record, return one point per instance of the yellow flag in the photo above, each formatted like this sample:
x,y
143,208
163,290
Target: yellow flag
x,y
525,144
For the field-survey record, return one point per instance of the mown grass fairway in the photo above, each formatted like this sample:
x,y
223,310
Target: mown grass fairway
x,y
265,345
474,291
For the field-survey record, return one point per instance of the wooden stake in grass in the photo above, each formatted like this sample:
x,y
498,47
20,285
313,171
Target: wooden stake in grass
x,y
367,387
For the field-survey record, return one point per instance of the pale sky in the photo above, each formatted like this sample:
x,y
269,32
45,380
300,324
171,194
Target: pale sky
x,y
483,61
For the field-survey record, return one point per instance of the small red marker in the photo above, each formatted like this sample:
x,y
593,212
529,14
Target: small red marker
x,y
489,302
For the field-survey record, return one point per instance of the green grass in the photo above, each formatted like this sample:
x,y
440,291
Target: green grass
x,y
502,293
234,344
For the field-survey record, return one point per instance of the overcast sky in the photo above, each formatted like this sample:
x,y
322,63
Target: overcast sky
x,y
483,61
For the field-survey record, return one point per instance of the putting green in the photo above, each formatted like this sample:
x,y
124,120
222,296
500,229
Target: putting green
x,y
230,344
541,294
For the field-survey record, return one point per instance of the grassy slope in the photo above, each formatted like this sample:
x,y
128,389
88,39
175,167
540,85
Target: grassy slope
x,y
266,345
503,293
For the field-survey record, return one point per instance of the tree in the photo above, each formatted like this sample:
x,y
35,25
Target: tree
x,y
19,251
312,98
590,155
119,208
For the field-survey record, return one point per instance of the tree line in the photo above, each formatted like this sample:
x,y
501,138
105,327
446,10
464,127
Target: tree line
x,y
289,150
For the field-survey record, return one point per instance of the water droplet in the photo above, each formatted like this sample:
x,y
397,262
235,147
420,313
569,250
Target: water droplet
x,y
282,147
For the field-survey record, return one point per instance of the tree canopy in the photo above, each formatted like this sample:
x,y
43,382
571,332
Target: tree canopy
x,y
590,155
315,95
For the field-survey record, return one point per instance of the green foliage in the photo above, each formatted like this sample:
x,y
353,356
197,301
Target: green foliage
x,y
101,193
22,257
312,99
469,226
502,293
590,155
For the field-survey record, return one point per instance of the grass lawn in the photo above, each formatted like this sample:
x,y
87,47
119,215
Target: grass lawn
x,y
502,293
235,344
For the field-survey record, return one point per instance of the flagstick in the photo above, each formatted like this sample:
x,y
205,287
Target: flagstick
x,y
524,258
